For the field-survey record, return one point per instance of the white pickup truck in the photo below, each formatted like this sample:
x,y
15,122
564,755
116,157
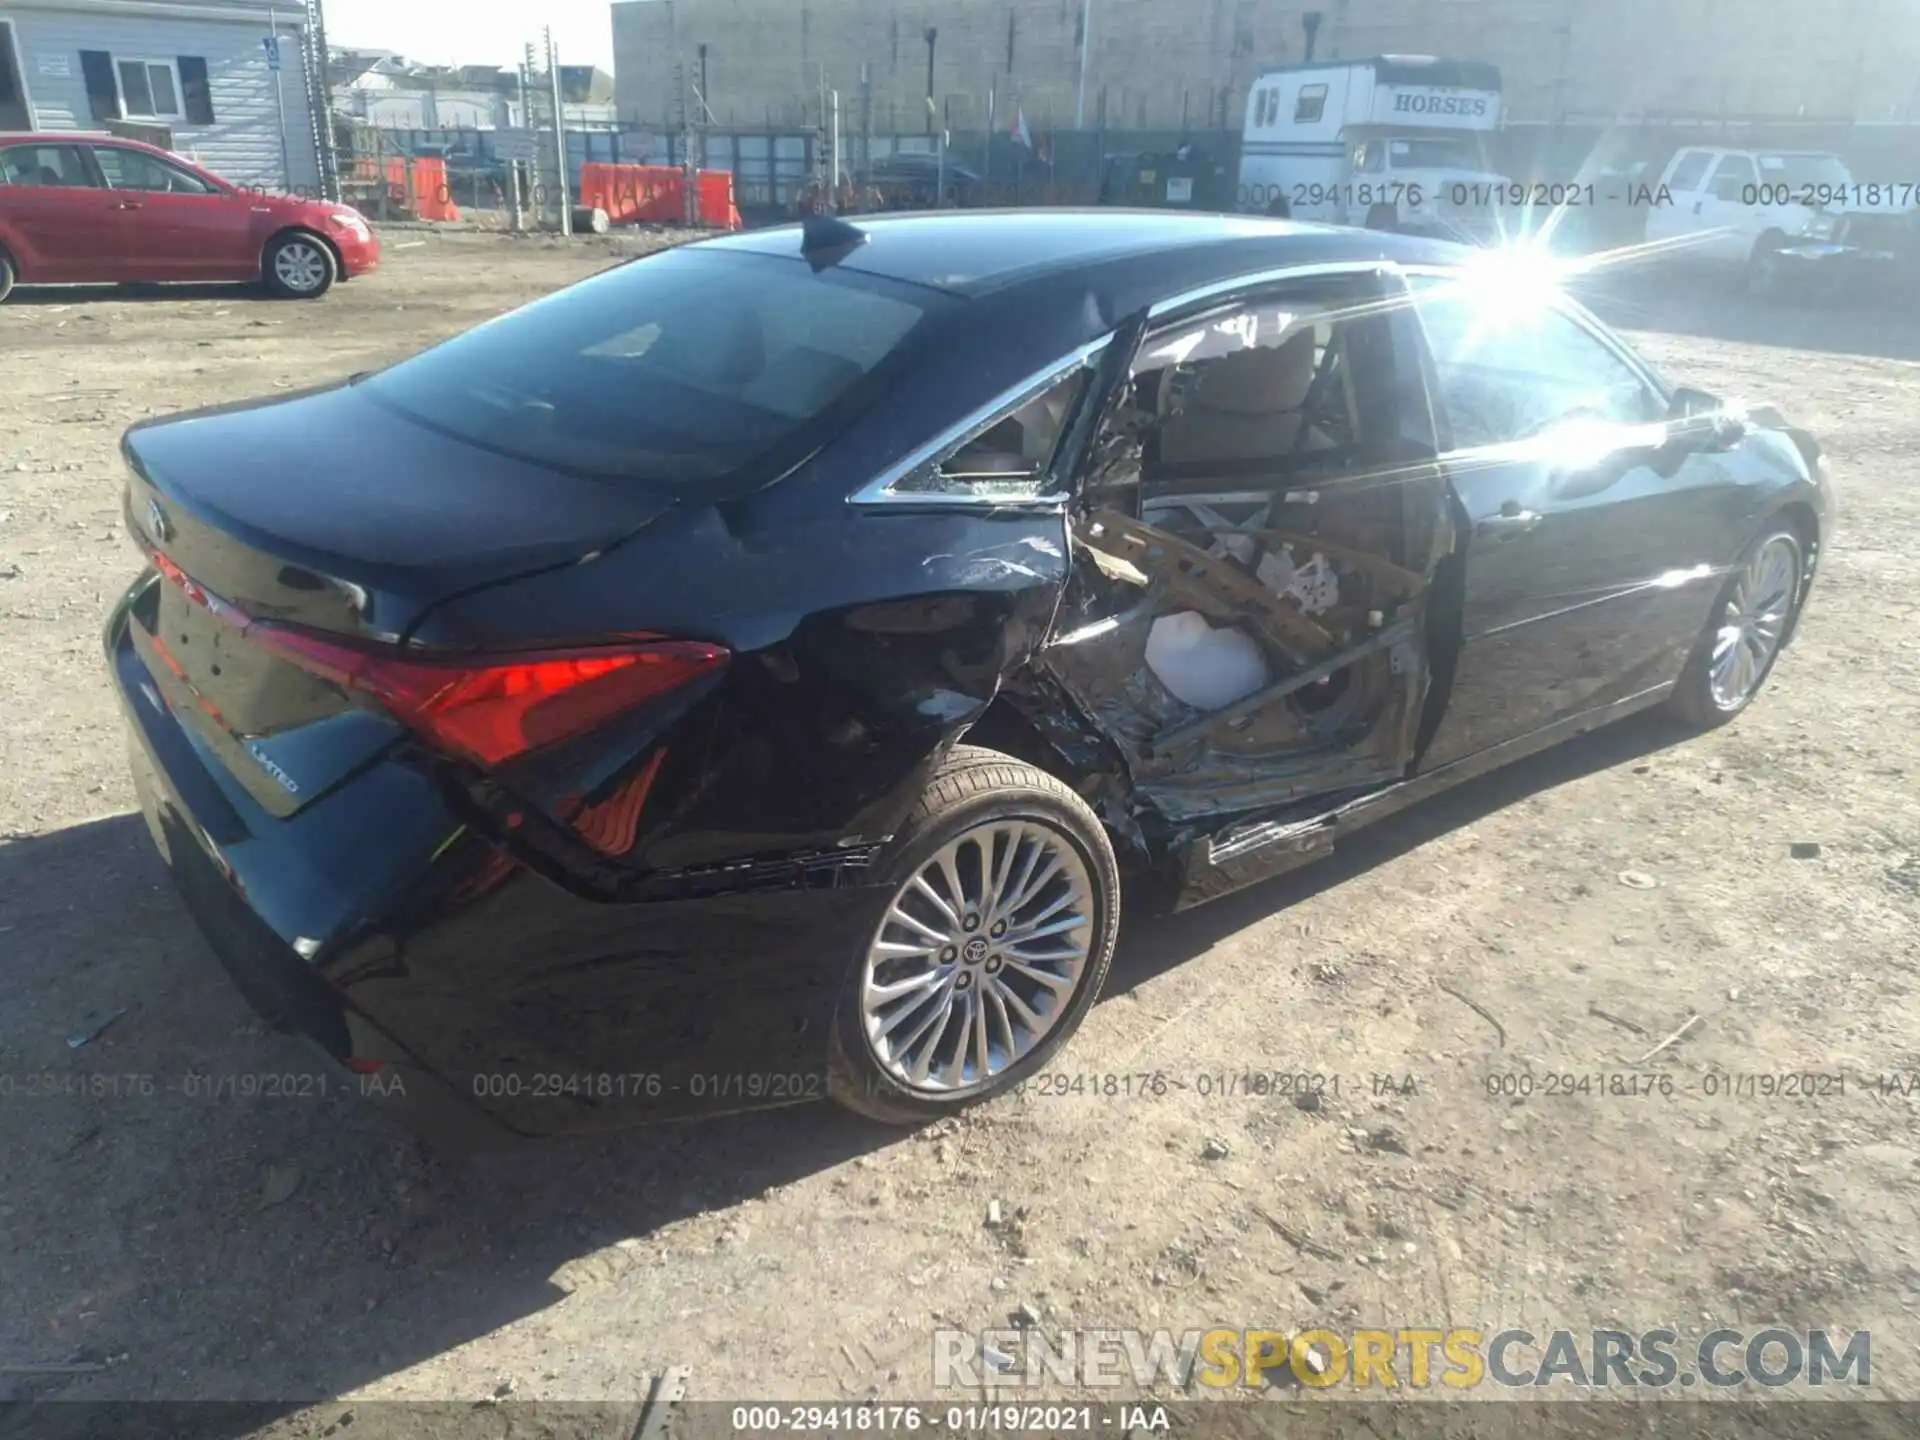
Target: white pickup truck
x,y
1743,211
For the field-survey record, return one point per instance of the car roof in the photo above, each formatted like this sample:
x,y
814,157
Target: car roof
x,y
973,252
72,137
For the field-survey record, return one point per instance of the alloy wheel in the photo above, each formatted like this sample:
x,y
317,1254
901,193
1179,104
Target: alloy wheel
x,y
300,266
1754,622
978,957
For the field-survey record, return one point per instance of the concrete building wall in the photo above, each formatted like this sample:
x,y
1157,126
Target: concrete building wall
x,y
1159,60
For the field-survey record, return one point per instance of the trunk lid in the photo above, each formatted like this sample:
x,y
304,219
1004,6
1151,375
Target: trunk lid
x,y
329,512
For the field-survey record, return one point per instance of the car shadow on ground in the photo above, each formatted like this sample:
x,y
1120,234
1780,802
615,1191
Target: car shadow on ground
x,y
93,294
1160,943
1713,308
177,1247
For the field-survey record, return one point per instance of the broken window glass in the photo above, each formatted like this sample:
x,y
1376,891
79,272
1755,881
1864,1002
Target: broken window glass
x,y
1012,457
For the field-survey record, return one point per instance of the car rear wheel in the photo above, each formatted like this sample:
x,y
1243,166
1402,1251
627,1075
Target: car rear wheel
x,y
1749,624
299,267
7,276
995,942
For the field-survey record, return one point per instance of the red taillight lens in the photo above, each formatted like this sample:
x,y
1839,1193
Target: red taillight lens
x,y
489,708
496,708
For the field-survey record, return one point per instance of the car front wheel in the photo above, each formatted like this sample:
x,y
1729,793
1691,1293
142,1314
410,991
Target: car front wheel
x,y
7,275
1005,902
299,267
1749,624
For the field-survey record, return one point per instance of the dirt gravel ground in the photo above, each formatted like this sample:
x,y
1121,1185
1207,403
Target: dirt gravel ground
x,y
169,1246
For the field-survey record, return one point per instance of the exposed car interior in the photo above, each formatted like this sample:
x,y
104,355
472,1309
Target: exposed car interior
x,y
1239,545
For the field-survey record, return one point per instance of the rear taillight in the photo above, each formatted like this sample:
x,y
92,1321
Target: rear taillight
x,y
487,708
492,709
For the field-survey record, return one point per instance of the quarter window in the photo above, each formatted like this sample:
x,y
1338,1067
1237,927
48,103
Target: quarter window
x,y
149,89
1507,376
1012,459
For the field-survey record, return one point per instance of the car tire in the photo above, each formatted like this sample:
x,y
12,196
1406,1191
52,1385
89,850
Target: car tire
x,y
8,274
1383,217
1710,692
990,825
298,266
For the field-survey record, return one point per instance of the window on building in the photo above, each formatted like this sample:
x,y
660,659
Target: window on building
x,y
149,89
1311,105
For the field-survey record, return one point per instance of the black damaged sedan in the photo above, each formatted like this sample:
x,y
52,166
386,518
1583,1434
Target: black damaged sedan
x,y
746,676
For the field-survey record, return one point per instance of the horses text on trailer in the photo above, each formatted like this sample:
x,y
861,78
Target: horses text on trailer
x,y
1397,141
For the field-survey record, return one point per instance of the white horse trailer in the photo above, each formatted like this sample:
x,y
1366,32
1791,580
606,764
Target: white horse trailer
x,y
1393,142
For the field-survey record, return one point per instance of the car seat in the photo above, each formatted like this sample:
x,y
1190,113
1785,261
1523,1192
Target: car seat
x,y
1245,406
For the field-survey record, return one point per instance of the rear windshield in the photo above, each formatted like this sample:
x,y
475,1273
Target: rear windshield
x,y
678,369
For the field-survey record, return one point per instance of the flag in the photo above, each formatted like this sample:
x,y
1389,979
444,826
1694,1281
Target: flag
x,y
1043,150
1021,135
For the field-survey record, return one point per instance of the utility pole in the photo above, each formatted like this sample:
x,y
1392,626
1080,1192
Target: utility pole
x,y
940,184
274,61
866,127
689,177
563,179
1086,28
986,154
833,143
536,185
319,78
933,38
706,111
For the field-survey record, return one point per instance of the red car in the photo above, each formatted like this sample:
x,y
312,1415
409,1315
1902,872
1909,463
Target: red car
x,y
80,209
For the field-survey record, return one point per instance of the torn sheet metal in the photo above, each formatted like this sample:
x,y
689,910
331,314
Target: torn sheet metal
x,y
1260,702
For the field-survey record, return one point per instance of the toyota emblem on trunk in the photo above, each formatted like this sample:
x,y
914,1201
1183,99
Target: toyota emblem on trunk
x,y
157,522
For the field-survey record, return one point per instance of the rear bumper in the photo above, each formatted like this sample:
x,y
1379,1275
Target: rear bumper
x,y
380,925
278,984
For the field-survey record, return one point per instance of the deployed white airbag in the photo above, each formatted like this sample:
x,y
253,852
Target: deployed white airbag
x,y
1203,667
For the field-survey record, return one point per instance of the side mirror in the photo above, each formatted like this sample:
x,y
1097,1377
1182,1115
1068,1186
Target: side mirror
x,y
1703,421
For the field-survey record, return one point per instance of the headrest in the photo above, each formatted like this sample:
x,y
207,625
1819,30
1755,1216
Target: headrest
x,y
1270,380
